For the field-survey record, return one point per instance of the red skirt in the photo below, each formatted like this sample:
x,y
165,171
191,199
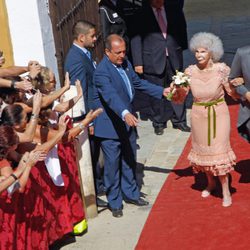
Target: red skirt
x,y
44,213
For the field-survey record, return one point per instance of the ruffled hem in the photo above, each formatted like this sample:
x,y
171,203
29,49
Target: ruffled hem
x,y
216,170
217,164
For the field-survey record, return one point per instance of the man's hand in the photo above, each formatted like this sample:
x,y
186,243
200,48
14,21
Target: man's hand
x,y
139,69
131,120
166,91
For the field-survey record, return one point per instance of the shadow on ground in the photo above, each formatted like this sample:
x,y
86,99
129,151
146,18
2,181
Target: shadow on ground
x,y
200,181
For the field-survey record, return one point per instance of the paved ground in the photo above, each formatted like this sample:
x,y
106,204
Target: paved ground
x,y
157,155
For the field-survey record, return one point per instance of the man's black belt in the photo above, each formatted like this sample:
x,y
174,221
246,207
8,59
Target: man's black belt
x,y
78,118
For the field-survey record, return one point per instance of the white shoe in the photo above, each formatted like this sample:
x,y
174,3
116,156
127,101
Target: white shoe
x,y
227,202
205,193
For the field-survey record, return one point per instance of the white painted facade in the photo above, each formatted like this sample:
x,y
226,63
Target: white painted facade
x,y
31,32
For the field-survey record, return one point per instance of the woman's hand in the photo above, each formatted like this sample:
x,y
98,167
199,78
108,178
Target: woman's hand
x,y
24,85
35,156
2,178
66,82
37,102
62,124
78,88
91,116
34,69
237,81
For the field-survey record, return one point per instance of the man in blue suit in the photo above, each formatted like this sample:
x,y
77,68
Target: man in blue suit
x,y
115,83
78,62
80,65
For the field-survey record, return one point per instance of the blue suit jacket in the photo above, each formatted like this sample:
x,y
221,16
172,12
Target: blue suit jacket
x,y
111,94
81,67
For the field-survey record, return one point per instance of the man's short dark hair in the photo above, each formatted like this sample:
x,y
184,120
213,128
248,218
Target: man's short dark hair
x,y
82,27
110,39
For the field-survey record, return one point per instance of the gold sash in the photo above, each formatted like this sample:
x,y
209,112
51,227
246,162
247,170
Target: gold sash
x,y
210,105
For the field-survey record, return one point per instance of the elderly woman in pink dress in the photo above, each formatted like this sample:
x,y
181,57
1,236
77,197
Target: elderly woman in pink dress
x,y
210,121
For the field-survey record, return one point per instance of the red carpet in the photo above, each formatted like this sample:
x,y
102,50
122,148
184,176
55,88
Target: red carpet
x,y
181,220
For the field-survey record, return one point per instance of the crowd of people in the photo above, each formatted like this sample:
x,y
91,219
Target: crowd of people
x,y
41,197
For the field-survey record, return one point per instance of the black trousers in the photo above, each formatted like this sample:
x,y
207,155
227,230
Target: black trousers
x,y
164,110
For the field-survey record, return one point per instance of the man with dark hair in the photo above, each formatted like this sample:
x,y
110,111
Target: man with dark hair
x,y
78,62
114,86
79,65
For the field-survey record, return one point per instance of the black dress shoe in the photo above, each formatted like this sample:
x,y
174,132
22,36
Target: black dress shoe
x,y
117,212
159,130
182,127
101,203
101,193
140,202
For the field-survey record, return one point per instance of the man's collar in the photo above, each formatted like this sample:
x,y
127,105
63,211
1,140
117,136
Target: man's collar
x,y
81,48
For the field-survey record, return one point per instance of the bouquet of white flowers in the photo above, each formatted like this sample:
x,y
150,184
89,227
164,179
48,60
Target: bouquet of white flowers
x,y
179,80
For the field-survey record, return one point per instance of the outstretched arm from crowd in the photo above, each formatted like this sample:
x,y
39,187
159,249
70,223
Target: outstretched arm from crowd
x,y
24,84
44,134
18,70
67,105
49,99
30,130
8,176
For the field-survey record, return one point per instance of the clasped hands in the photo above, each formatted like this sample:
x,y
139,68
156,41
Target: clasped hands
x,y
179,93
178,97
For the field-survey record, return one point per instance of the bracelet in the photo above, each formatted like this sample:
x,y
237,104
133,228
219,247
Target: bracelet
x,y
34,116
81,126
13,175
13,84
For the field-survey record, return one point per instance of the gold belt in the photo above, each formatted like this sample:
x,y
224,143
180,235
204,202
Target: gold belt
x,y
210,105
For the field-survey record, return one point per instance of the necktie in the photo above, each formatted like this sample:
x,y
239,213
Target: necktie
x,y
126,80
162,25
88,54
161,22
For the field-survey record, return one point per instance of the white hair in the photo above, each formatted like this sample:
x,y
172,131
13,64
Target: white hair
x,y
209,41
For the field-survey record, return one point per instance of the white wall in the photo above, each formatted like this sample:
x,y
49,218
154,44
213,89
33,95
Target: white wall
x,y
31,33
25,31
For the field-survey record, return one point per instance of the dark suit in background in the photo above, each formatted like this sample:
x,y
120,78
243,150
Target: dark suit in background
x,y
240,68
148,47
